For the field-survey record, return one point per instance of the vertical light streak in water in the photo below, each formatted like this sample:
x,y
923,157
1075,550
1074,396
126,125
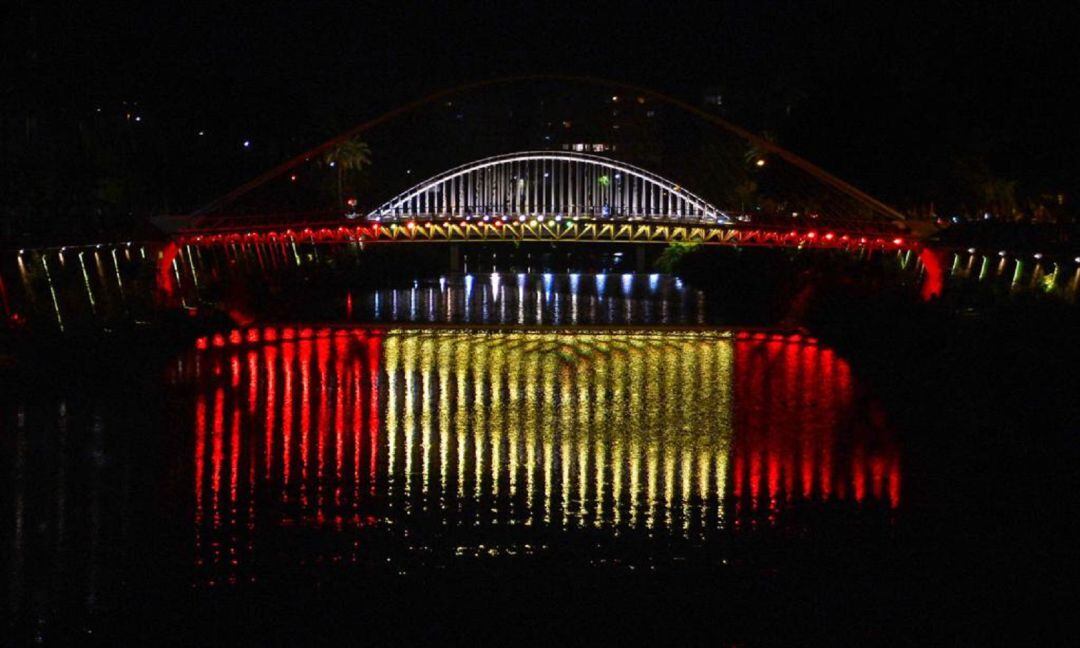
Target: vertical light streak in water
x,y
288,350
513,426
1017,273
540,429
690,394
119,281
498,367
670,430
426,362
503,314
392,348
217,454
628,297
580,436
635,386
296,253
485,303
810,368
341,387
52,292
270,371
539,305
445,355
357,433
200,464
234,461
409,359
521,298
601,437
468,297
86,282
253,380
575,280
565,431
708,439
653,400
374,345
618,375
304,348
461,369
479,423
191,266
795,393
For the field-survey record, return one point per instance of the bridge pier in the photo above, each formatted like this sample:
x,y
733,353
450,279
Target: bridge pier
x,y
455,257
639,255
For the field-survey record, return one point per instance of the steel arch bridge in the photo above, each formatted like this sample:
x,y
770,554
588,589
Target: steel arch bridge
x,y
548,185
549,197
544,197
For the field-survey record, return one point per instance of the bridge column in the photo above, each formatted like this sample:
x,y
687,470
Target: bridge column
x,y
639,254
455,257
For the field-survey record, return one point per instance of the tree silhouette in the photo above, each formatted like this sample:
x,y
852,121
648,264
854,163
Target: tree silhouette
x,y
348,157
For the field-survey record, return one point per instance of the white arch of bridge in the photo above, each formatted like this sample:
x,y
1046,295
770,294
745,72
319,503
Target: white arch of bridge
x,y
551,184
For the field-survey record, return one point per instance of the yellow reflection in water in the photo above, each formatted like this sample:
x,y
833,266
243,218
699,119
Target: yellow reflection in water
x,y
616,427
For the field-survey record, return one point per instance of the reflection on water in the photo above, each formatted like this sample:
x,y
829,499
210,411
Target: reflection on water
x,y
301,451
548,298
435,442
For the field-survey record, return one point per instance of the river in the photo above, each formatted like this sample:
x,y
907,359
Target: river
x,y
474,456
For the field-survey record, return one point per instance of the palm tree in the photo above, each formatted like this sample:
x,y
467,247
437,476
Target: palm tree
x,y
352,155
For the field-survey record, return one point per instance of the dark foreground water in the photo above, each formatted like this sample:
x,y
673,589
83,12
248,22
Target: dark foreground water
x,y
444,481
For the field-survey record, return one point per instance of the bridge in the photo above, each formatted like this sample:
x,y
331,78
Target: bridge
x,y
550,197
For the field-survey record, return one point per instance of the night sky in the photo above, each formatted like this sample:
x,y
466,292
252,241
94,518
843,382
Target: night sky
x,y
886,95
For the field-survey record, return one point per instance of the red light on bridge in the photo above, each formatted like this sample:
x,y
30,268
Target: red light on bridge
x,y
897,241
811,235
830,236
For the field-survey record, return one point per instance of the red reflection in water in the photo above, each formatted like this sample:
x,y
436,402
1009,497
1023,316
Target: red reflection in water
x,y
801,435
270,361
792,420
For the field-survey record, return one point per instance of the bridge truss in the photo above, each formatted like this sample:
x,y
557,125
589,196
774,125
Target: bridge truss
x,y
548,185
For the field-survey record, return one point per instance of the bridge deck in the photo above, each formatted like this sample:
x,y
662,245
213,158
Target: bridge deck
x,y
556,231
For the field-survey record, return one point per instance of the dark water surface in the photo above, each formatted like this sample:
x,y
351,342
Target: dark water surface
x,y
444,481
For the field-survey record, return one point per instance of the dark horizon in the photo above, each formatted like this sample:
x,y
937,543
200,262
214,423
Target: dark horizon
x,y
895,100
